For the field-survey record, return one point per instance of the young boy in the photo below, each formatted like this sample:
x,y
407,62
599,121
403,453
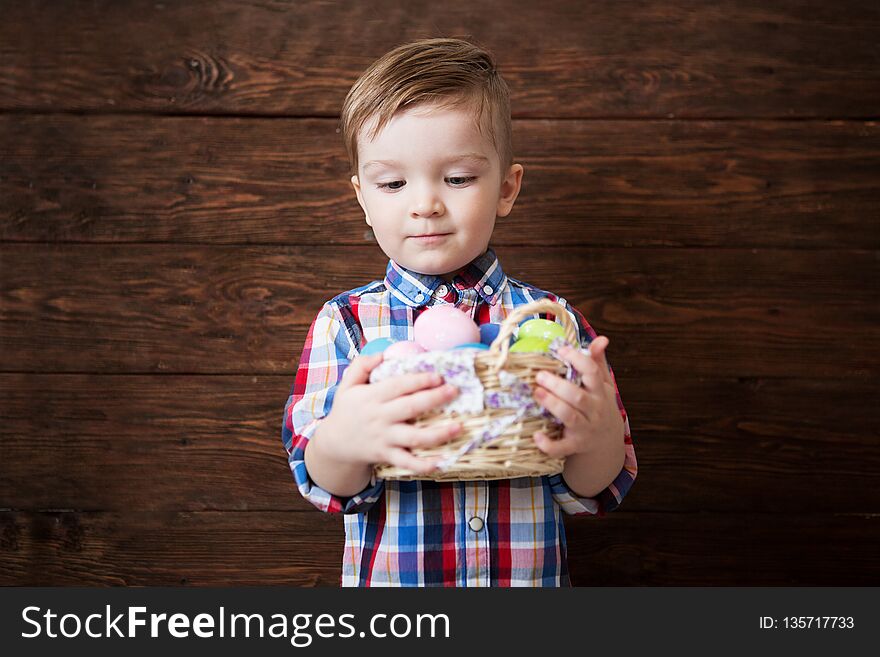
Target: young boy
x,y
428,132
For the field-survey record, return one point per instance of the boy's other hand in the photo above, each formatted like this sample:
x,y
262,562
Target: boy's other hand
x,y
368,421
589,412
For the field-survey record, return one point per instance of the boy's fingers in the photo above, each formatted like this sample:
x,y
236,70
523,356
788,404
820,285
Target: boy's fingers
x,y
423,437
405,384
590,362
402,458
557,449
358,371
576,396
598,350
409,407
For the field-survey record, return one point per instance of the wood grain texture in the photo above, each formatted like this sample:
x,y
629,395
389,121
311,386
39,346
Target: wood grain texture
x,y
132,444
239,310
296,549
62,548
703,549
809,184
701,181
562,59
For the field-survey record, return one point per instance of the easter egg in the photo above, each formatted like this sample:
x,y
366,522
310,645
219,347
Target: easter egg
x,y
472,345
530,344
403,349
376,346
444,327
543,329
488,333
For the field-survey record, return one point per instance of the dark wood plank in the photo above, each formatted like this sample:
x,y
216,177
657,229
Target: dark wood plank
x,y
246,310
599,183
170,549
145,442
727,58
752,549
193,443
299,549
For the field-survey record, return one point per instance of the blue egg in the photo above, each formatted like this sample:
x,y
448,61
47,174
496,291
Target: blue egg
x,y
472,345
488,333
376,346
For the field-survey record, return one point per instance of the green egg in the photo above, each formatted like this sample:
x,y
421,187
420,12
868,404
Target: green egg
x,y
542,329
530,344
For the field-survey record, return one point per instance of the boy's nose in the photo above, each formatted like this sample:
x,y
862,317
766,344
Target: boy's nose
x,y
428,206
425,199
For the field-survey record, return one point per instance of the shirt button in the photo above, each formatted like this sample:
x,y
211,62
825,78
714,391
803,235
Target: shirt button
x,y
475,523
442,291
420,296
488,289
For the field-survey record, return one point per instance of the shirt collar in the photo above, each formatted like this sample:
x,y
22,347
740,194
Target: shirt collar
x,y
483,274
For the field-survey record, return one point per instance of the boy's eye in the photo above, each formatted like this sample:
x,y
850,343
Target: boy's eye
x,y
454,180
388,185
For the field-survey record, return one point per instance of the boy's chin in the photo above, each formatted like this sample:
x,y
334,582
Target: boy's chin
x,y
444,272
435,271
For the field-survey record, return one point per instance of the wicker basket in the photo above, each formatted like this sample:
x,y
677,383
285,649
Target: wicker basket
x,y
513,452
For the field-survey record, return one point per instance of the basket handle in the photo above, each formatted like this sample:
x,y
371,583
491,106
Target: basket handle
x,y
501,344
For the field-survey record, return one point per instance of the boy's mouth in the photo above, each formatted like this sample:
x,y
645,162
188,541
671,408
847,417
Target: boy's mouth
x,y
430,238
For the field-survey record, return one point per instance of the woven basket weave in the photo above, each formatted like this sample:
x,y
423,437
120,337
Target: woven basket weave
x,y
513,453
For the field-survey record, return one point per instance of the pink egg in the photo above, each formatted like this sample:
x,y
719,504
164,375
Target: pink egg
x,y
403,349
444,327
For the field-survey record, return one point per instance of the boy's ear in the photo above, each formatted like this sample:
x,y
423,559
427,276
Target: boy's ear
x,y
510,187
357,190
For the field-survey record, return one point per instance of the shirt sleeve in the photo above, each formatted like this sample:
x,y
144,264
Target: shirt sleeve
x,y
609,498
328,350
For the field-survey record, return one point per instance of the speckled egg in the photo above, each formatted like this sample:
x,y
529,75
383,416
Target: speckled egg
x,y
376,346
543,329
403,348
530,344
444,327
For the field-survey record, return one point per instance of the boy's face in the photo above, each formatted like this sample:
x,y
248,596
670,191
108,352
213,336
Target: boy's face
x,y
421,189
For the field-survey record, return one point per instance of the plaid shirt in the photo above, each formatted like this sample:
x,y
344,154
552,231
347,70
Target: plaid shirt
x,y
424,533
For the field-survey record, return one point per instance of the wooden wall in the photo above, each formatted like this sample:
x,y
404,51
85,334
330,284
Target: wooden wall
x,y
701,181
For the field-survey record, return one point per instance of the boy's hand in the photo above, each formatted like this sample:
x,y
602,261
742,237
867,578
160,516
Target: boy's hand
x,y
367,424
589,412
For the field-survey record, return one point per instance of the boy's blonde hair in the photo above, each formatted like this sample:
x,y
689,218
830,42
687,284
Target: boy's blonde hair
x,y
448,73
